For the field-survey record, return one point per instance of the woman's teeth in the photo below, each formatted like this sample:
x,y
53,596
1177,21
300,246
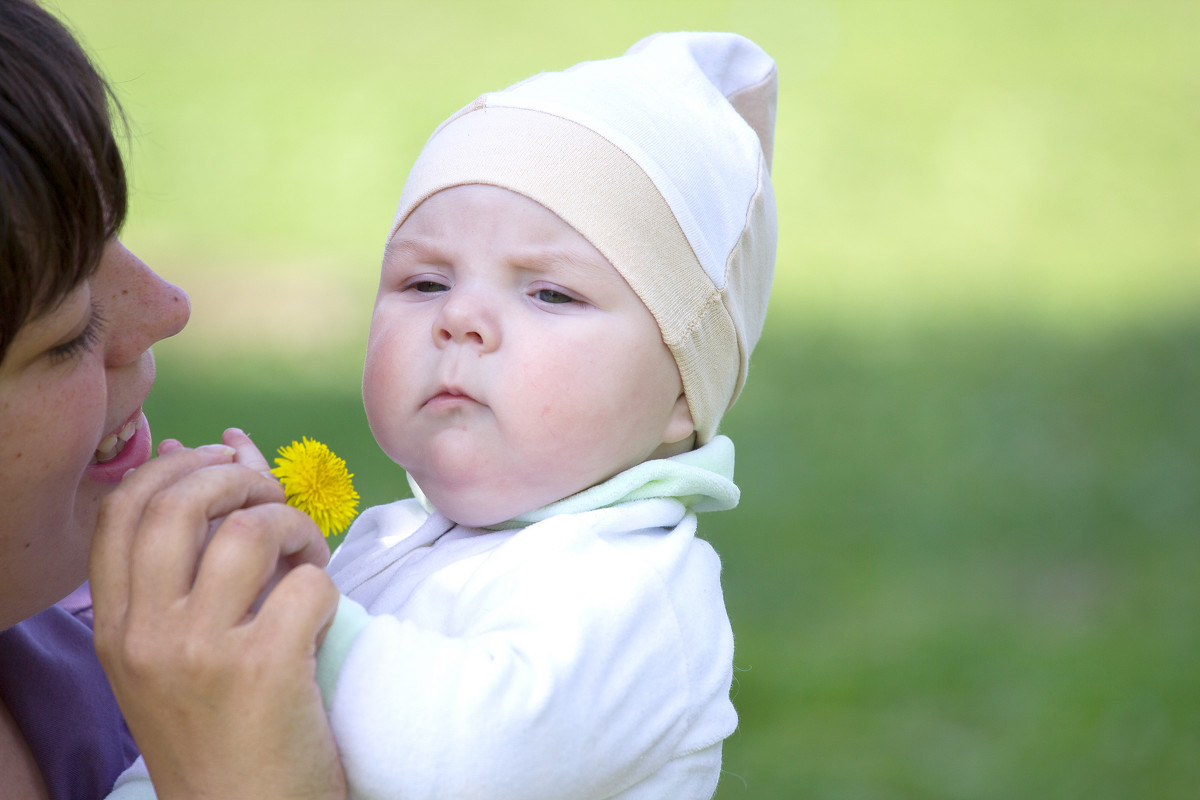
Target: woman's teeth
x,y
114,443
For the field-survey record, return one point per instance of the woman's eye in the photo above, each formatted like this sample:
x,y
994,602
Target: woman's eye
x,y
553,296
81,344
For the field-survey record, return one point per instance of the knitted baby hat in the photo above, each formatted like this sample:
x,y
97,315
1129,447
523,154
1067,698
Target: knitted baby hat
x,y
660,158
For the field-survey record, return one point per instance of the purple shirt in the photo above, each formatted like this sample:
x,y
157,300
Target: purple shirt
x,y
54,686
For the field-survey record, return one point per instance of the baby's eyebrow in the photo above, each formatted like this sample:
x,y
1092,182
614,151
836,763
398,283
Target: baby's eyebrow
x,y
414,247
550,258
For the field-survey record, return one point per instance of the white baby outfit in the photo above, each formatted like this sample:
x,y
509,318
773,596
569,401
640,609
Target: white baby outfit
x,y
583,653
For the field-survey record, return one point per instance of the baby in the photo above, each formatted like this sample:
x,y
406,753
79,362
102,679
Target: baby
x,y
577,273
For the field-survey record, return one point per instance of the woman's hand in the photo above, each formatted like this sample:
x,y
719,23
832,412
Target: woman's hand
x,y
246,453
220,697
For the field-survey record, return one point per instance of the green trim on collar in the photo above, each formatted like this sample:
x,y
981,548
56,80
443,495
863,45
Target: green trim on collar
x,y
701,479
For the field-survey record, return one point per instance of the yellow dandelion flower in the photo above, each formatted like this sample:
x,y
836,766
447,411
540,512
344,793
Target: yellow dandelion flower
x,y
317,482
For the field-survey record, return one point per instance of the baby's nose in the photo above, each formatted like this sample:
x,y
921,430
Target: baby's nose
x,y
469,319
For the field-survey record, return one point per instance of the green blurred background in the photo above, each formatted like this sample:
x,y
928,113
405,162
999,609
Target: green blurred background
x,y
966,558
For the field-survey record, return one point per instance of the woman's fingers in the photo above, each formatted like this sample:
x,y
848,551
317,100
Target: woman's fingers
x,y
315,549
153,529
251,550
217,697
119,519
299,610
175,523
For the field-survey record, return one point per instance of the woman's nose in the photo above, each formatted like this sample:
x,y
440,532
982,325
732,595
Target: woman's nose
x,y
139,307
467,318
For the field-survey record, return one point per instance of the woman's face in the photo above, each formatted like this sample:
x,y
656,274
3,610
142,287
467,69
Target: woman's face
x,y
71,390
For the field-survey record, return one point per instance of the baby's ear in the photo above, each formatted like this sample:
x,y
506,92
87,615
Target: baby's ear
x,y
680,425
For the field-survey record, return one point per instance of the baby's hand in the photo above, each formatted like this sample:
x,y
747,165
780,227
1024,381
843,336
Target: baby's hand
x,y
248,455
246,452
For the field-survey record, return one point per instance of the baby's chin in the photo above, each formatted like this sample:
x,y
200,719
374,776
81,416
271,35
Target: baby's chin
x,y
471,515
483,509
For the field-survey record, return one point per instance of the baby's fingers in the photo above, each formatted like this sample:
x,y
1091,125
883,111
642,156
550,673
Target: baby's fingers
x,y
175,525
248,454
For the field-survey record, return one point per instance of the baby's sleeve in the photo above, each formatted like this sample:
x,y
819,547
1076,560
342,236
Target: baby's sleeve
x,y
348,623
134,783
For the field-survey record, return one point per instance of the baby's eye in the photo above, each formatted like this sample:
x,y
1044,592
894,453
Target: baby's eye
x,y
553,296
429,287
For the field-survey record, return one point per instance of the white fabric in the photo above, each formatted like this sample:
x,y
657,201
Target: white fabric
x,y
669,90
134,783
585,656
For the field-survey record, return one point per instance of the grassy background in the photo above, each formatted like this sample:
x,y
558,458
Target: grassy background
x,y
965,561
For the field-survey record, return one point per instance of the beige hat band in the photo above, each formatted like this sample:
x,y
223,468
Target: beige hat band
x,y
604,195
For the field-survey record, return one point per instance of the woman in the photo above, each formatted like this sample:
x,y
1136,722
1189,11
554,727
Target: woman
x,y
221,699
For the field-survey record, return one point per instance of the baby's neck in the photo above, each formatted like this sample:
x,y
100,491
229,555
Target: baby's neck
x,y
674,448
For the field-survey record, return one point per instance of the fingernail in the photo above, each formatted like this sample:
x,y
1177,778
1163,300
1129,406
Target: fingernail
x,y
217,449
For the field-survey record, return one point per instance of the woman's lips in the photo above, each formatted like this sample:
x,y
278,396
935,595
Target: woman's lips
x,y
119,452
114,443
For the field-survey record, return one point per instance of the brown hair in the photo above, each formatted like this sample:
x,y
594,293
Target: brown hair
x,y
62,181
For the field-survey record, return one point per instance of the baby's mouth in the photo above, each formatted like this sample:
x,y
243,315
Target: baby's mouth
x,y
114,443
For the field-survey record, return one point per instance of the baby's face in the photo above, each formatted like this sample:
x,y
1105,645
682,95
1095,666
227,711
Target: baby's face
x,y
509,364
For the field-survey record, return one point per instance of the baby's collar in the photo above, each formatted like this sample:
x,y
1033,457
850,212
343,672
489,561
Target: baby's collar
x,y
701,479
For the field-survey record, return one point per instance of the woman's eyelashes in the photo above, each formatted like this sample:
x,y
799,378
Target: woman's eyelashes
x,y
81,344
